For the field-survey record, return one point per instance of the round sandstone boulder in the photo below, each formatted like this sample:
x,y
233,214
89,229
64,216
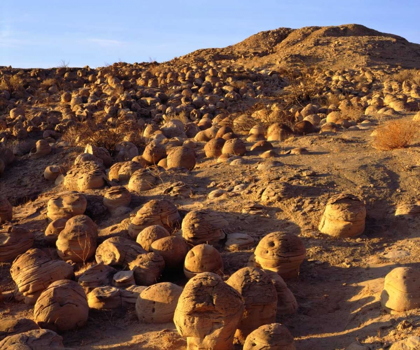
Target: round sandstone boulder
x,y
157,303
62,306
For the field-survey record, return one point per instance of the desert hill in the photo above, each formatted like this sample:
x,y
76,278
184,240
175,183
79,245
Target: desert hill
x,y
344,46
146,205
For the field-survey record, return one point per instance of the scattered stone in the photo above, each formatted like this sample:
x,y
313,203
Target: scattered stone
x,y
272,336
157,303
34,339
203,226
118,251
238,241
34,270
280,252
62,306
260,298
401,289
344,216
208,312
14,240
105,298
203,258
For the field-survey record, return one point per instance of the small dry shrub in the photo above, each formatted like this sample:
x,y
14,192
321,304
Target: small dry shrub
x,y
395,134
303,84
47,83
155,68
268,117
12,83
182,116
89,133
355,113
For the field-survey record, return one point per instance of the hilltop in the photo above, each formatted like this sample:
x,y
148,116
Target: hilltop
x,y
344,46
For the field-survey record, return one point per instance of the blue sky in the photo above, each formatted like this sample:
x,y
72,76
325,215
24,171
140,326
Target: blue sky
x,y
43,33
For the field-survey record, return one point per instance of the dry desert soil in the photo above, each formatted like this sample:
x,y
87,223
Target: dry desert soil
x,y
344,106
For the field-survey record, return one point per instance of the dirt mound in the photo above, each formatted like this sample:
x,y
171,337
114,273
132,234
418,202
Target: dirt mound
x,y
334,46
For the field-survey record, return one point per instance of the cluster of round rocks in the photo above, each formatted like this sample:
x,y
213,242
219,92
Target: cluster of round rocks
x,y
211,311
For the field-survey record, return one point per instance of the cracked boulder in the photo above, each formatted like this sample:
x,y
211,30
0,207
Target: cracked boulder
x,y
62,306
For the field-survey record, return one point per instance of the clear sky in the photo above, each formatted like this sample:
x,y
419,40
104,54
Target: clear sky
x,y
43,33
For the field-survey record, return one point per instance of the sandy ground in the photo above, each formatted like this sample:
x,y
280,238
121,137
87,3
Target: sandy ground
x,y
340,284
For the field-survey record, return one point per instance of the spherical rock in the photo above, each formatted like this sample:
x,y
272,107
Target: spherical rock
x,y
62,306
401,289
157,303
314,119
116,197
77,242
150,234
105,298
234,147
269,154
118,251
213,148
299,151
51,172
286,301
12,326
53,230
280,252
262,146
334,117
173,249
203,258
256,133
34,339
14,240
304,127
238,241
123,171
329,128
97,275
154,152
42,148
208,312
34,270
260,297
272,336
84,179
66,205
278,132
203,226
126,151
181,157
155,212
173,128
344,216
147,268
123,279
223,130
142,180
